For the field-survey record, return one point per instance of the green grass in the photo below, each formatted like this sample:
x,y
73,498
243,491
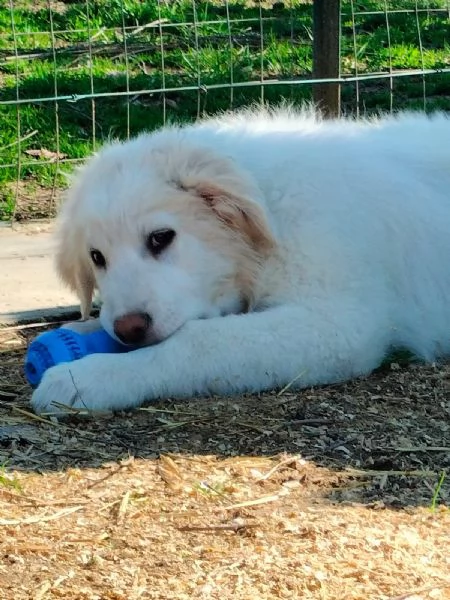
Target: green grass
x,y
437,491
9,481
191,55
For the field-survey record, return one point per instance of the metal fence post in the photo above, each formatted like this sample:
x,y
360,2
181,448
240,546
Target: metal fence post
x,y
327,55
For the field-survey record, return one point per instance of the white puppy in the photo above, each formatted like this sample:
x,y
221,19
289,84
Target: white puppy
x,y
255,250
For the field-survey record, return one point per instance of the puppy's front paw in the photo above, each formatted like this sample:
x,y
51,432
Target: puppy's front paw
x,y
70,386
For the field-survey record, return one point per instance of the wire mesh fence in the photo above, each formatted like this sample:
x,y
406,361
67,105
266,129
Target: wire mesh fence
x,y
74,73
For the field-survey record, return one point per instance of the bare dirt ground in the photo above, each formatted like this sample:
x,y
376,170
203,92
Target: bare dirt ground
x,y
33,201
329,493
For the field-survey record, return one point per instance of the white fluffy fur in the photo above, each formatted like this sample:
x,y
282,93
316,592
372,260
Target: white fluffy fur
x,y
305,251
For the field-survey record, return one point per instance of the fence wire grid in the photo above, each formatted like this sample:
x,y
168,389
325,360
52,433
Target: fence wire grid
x,y
74,73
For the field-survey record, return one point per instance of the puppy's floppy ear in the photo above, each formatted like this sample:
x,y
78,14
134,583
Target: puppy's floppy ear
x,y
239,213
71,264
229,193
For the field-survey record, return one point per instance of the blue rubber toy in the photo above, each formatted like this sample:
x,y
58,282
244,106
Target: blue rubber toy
x,y
64,345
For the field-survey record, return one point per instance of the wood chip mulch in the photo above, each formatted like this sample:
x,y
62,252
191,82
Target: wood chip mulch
x,y
333,493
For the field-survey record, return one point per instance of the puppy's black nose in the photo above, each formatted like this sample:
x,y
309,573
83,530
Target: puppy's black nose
x,y
132,328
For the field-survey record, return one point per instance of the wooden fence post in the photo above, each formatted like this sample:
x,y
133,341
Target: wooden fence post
x,y
327,55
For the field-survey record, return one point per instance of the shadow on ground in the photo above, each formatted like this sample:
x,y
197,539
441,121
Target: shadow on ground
x,y
386,436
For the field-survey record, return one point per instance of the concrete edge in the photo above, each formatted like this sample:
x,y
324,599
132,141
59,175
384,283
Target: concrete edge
x,y
30,291
69,313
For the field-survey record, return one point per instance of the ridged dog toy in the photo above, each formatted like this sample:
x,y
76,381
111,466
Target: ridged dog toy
x,y
64,345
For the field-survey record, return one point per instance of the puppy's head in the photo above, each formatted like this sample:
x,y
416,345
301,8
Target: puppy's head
x,y
166,231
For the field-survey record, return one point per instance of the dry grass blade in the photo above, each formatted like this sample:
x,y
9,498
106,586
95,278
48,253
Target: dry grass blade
x,y
103,479
123,507
253,427
35,417
41,518
152,409
290,384
286,461
236,525
256,501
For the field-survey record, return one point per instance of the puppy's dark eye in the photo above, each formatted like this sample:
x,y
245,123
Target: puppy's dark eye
x,y
159,240
97,258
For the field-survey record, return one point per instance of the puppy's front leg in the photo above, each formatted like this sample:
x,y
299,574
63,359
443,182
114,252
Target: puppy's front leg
x,y
225,355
